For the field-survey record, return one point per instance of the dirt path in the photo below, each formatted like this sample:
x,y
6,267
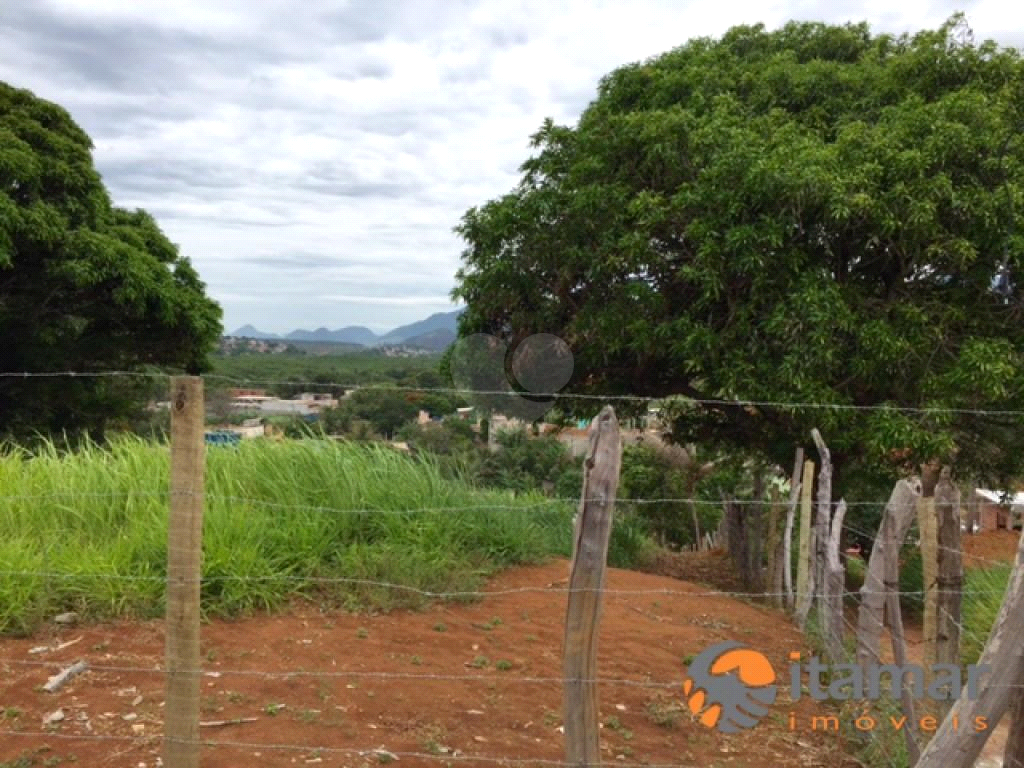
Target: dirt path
x,y
333,709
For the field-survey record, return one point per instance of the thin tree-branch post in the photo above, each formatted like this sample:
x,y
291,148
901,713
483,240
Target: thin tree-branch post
x,y
951,575
821,525
586,585
804,572
184,564
882,565
787,541
928,528
835,583
899,646
955,746
774,581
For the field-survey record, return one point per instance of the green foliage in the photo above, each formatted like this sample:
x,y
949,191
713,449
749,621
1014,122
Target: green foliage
x,y
649,473
524,462
985,589
84,286
384,409
813,214
286,375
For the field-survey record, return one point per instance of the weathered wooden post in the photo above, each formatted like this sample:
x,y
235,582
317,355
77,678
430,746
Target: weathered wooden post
x,y
949,595
787,554
835,586
927,525
184,563
880,593
805,574
955,746
1013,753
586,584
896,521
821,526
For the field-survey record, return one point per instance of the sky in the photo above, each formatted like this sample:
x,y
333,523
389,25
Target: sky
x,y
313,159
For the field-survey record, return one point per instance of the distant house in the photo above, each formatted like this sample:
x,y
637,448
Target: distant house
x,y
988,510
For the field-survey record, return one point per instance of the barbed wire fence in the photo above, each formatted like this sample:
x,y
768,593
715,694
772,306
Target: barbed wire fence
x,y
183,669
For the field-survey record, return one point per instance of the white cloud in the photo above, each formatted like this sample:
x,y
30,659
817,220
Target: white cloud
x,y
312,163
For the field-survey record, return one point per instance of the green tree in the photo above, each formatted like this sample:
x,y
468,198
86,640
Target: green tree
x,y
815,214
84,286
384,408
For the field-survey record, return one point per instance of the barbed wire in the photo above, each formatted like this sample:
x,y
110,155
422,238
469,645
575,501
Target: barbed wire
x,y
610,397
455,595
550,501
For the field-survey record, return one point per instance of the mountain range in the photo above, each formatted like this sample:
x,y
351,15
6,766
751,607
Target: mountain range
x,y
434,332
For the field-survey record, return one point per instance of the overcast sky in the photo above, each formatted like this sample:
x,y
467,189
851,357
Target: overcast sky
x,y
312,159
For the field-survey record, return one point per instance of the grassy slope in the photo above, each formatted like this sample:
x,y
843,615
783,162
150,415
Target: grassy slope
x,y
87,531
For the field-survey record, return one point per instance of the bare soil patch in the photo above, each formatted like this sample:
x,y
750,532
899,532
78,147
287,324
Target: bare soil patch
x,y
454,683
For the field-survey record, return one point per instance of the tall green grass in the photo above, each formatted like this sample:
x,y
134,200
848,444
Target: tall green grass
x,y
985,590
87,531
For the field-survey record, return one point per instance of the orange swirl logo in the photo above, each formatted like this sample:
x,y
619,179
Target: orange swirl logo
x,y
730,687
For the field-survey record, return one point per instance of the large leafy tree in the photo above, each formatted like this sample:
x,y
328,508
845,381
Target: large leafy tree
x,y
84,286
814,214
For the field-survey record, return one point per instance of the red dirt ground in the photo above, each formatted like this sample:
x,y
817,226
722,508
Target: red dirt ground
x,y
981,549
332,709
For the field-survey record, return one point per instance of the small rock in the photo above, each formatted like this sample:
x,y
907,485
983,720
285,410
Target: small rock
x,y
129,717
479,738
620,707
66,618
136,701
54,717
473,712
138,728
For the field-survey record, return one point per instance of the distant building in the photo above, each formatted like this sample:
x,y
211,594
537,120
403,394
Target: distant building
x,y
987,510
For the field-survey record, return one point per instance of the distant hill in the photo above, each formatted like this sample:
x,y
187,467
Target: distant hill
x,y
435,332
438,340
353,334
248,332
441,321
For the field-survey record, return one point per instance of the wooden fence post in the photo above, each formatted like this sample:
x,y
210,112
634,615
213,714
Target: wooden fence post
x,y
835,586
896,521
184,563
821,526
954,746
804,574
951,576
586,583
787,555
1013,753
927,525
774,550
899,649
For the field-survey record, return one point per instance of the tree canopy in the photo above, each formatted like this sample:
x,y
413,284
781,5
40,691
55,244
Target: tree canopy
x,y
84,286
814,214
